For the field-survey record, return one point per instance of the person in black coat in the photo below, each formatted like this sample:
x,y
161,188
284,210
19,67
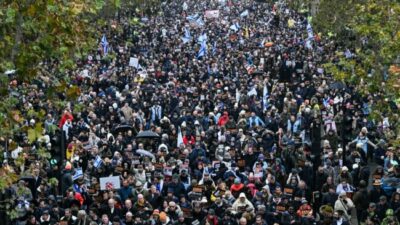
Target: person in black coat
x,y
111,210
66,179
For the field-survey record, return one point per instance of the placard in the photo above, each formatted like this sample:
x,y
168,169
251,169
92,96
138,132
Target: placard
x,y
110,183
134,62
211,14
288,191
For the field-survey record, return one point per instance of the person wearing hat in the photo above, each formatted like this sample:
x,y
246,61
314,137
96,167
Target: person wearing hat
x,y
344,175
382,206
370,215
376,191
66,179
345,204
390,219
237,187
242,203
363,142
164,219
211,218
305,212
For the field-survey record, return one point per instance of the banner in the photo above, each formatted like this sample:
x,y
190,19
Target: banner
x,y
211,14
110,183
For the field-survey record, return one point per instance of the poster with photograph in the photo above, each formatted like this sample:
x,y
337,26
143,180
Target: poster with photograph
x,y
110,183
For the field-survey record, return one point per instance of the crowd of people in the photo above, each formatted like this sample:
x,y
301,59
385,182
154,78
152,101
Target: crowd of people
x,y
240,124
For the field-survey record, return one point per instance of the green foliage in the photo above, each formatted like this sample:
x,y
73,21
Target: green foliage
x,y
375,69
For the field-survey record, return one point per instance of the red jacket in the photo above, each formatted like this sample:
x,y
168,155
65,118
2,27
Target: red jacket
x,y
64,119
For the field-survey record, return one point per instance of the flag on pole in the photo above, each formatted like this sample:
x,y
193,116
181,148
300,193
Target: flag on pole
x,y
265,97
104,44
187,37
235,27
203,49
214,48
310,31
180,138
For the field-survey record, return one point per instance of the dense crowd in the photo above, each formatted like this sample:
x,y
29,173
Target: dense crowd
x,y
225,120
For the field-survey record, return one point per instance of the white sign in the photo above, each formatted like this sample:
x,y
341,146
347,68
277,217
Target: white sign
x,y
211,14
134,62
110,183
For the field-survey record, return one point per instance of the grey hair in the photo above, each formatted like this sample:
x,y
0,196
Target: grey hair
x,y
82,212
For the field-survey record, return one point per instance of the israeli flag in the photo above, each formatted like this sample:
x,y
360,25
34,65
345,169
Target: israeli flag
x,y
78,174
196,20
187,37
265,97
244,13
192,18
97,162
348,54
308,43
310,31
214,48
203,49
235,27
202,38
199,22
180,137
104,43
262,43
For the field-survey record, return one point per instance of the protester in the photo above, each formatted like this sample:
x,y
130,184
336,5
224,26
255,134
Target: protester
x,y
241,124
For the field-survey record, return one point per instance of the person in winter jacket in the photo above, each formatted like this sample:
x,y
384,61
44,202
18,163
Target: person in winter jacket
x,y
242,204
345,204
390,219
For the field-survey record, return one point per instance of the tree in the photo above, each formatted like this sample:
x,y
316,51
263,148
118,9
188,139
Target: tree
x,y
40,41
375,65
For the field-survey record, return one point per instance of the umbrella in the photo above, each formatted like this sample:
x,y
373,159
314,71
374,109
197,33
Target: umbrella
x,y
337,85
147,134
122,128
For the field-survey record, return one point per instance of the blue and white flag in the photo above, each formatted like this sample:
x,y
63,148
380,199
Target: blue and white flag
x,y
180,137
104,43
199,22
187,37
262,43
202,38
78,174
214,48
203,49
235,27
310,31
192,18
195,20
97,162
348,54
265,97
308,43
244,13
